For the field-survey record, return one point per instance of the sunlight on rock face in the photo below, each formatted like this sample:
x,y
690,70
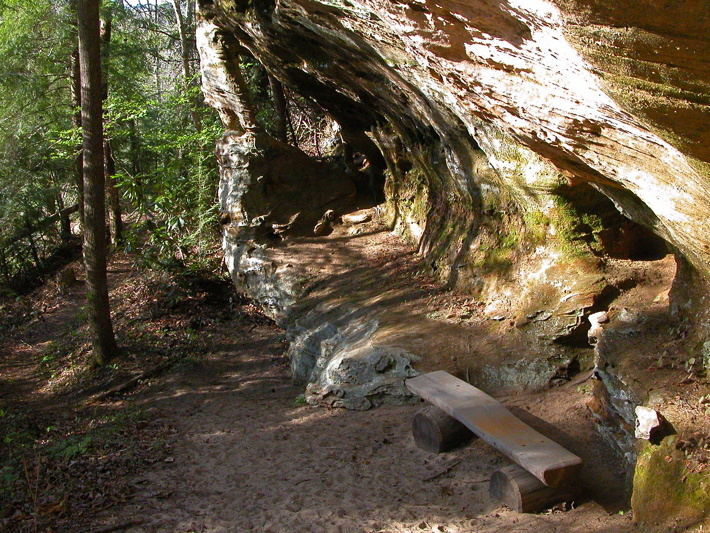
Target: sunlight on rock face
x,y
532,152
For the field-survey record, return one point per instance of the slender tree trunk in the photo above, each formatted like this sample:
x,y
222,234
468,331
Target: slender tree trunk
x,y
135,147
115,224
33,246
113,197
103,341
64,220
282,117
76,122
158,85
134,141
186,70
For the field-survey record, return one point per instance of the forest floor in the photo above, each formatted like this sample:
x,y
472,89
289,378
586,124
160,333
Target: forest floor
x,y
197,427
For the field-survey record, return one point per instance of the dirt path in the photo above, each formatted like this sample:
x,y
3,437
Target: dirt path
x,y
228,447
246,458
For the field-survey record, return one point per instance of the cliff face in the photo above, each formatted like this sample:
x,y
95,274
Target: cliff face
x,y
521,144
614,95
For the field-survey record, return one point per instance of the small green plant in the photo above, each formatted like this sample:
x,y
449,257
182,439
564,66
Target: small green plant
x,y
52,352
300,401
583,389
71,447
536,227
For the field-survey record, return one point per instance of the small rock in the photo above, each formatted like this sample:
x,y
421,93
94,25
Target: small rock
x,y
648,422
356,218
662,297
596,320
321,227
294,506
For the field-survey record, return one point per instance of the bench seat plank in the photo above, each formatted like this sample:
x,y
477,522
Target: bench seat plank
x,y
491,421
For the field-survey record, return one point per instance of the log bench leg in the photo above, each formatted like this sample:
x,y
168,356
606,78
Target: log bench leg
x,y
519,490
436,432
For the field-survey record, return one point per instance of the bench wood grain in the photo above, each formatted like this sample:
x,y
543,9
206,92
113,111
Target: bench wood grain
x,y
491,421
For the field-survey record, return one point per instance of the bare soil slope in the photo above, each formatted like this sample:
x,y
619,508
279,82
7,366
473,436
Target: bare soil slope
x,y
247,459
219,440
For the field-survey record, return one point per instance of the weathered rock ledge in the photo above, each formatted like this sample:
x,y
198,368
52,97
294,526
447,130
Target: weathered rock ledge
x,y
525,147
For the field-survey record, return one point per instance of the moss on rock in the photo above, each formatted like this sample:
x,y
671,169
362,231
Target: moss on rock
x,y
668,485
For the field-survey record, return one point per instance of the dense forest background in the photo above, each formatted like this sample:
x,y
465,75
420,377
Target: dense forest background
x,y
158,137
161,175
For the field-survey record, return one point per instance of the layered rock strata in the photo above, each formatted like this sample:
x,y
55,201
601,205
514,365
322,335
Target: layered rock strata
x,y
524,144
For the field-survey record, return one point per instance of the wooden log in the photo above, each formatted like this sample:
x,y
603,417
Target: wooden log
x,y
437,432
490,420
33,228
519,490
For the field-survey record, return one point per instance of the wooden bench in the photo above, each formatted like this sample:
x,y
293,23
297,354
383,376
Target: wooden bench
x,y
549,472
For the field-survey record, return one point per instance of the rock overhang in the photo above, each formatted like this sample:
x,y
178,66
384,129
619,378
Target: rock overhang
x,y
525,143
453,72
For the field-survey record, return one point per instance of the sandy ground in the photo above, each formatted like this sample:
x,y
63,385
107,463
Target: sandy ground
x,y
245,457
244,453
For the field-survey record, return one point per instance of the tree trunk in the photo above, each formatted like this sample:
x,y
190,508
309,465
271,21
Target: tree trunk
x,y
282,117
113,197
186,70
135,148
115,224
64,220
33,246
75,78
158,85
99,316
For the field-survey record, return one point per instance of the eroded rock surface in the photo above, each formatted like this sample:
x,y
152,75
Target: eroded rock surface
x,y
471,73
525,147
269,191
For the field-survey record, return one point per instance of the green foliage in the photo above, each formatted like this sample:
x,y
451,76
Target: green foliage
x,y
165,167
166,171
34,112
536,227
72,447
173,199
300,401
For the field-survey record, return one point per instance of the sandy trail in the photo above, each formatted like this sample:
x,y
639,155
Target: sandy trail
x,y
246,458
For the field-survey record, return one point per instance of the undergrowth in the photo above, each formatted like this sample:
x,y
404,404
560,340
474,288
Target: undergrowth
x,y
67,450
